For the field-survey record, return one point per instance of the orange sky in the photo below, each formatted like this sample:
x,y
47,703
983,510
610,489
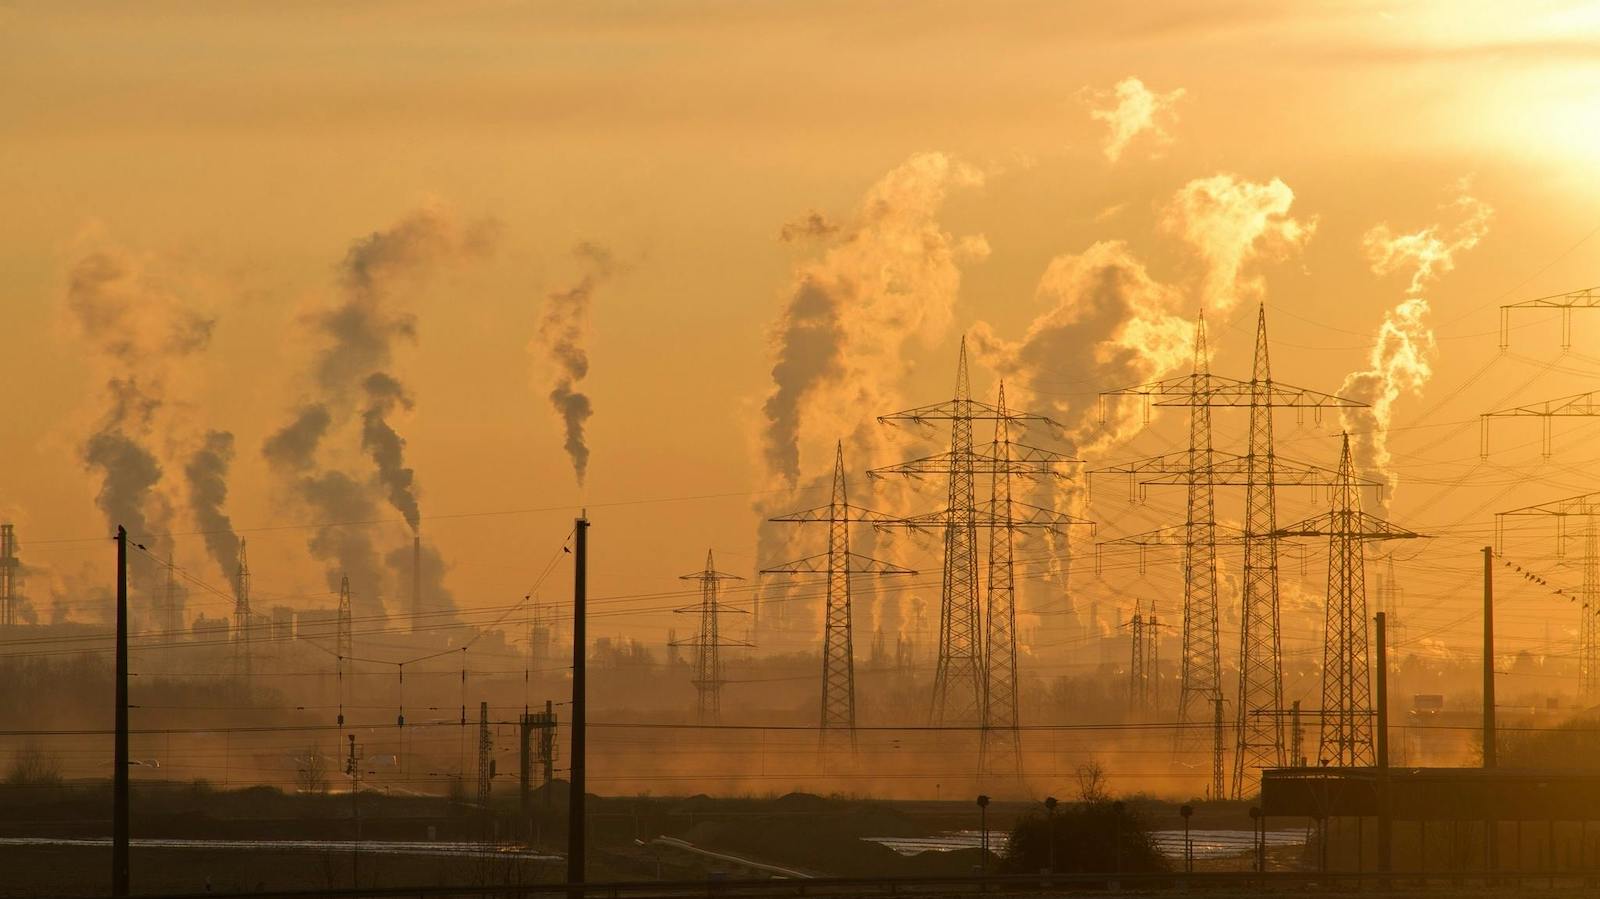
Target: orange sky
x,y
232,156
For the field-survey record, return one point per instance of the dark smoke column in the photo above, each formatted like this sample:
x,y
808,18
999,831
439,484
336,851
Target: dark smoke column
x,y
562,335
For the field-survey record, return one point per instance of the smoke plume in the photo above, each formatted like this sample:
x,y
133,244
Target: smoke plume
x,y
887,274
142,335
207,474
1130,109
1108,322
890,274
562,336
387,448
352,380
1230,223
1400,361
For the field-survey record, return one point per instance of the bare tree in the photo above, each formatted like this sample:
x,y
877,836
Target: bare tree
x,y
32,766
1092,782
311,776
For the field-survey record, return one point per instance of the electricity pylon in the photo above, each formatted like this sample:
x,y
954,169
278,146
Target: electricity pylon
x,y
485,756
976,649
708,679
1259,730
1587,298
8,576
243,631
1586,508
1136,671
344,642
840,564
1579,405
1346,654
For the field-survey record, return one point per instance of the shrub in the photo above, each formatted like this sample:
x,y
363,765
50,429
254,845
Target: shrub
x,y
1090,838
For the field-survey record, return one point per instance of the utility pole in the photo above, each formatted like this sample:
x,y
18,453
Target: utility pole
x,y
708,679
1346,739
576,821
1491,824
1385,809
485,768
119,761
841,565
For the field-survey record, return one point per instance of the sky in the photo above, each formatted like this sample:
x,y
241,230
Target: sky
x,y
739,232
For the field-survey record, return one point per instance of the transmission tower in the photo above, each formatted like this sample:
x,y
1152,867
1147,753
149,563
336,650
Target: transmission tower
x,y
1200,664
1346,654
8,576
1259,731
170,619
839,564
1579,405
1137,685
708,679
1152,660
1585,508
976,677
485,755
243,628
1587,298
343,643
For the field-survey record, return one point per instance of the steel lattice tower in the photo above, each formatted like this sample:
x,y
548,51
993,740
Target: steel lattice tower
x,y
485,755
8,576
1585,507
839,564
343,641
243,627
1136,670
1001,746
960,677
1347,713
960,666
994,656
708,679
1260,736
1259,731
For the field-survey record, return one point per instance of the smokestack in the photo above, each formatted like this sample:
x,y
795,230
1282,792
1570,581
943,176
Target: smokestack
x,y
416,581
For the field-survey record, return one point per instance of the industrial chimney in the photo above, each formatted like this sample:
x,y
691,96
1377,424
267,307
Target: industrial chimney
x,y
416,581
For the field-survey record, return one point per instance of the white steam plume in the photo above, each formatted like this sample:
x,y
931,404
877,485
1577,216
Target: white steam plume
x,y
1130,109
1400,361
886,275
1231,222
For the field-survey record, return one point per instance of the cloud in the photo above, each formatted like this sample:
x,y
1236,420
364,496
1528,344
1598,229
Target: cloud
x,y
1130,109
